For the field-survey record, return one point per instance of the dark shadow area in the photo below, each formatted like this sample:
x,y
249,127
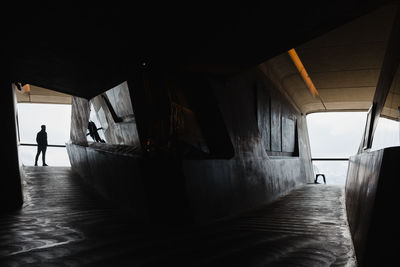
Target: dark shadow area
x,y
66,222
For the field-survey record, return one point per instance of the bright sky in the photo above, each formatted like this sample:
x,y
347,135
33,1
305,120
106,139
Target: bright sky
x,y
57,119
335,134
339,134
386,134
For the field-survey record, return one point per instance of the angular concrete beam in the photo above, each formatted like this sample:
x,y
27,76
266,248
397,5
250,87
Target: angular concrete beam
x,y
390,65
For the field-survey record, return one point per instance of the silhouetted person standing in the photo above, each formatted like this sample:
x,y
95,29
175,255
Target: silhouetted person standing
x,y
41,140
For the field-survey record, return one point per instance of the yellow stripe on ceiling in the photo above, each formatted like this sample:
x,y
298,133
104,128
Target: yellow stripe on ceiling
x,y
300,67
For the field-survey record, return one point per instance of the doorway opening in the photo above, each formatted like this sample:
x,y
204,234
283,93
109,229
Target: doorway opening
x,y
334,137
37,107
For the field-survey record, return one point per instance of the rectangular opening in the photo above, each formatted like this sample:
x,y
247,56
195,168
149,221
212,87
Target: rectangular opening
x,y
57,118
334,137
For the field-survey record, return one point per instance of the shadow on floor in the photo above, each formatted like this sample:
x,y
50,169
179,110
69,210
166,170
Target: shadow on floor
x,y
65,224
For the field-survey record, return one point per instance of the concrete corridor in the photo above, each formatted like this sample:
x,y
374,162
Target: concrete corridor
x,y
65,224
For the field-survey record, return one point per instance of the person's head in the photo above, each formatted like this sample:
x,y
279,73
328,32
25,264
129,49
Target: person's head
x,y
43,127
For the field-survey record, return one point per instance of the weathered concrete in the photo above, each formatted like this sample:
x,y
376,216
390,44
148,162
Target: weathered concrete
x,y
79,120
253,156
64,223
114,175
221,188
371,193
150,188
114,111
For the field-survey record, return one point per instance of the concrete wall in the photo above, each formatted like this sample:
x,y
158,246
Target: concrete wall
x,y
114,112
11,196
225,145
79,120
271,157
115,176
371,198
111,168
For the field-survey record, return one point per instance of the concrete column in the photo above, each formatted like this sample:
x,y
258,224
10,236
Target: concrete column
x,y
11,196
151,105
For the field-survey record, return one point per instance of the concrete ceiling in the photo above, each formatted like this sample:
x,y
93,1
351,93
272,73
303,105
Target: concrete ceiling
x,y
344,65
36,94
85,49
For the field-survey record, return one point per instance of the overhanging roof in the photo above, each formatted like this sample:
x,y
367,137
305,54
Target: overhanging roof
x,y
344,65
85,49
36,94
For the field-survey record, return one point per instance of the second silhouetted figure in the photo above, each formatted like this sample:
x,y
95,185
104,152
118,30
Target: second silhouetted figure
x,y
41,140
93,132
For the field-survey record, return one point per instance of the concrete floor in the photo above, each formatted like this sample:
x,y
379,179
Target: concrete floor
x,y
65,224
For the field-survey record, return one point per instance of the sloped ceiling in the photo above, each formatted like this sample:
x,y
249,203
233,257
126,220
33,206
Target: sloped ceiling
x,y
344,65
38,94
84,49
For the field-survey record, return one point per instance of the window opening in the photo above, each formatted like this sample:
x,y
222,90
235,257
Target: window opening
x,y
334,137
57,118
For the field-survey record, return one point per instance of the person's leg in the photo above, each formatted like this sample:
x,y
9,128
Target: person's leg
x,y
97,137
323,176
37,155
44,156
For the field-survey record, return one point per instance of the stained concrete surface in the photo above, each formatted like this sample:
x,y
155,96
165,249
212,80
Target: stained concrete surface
x,y
371,196
237,175
65,224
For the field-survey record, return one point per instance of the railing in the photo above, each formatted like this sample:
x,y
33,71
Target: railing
x,y
334,170
26,144
329,159
56,154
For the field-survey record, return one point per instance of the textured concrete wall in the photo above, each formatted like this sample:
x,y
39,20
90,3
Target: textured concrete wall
x,y
119,128
79,120
110,168
257,149
225,187
150,189
115,176
371,198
